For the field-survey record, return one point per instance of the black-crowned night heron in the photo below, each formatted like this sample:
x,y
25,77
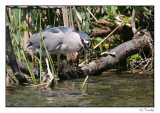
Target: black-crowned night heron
x,y
58,40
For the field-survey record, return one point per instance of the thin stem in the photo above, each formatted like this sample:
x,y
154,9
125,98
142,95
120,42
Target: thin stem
x,y
108,35
87,85
29,68
84,82
79,27
71,18
92,15
40,51
18,36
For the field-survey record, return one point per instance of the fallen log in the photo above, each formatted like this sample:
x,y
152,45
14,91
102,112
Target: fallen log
x,y
104,63
24,69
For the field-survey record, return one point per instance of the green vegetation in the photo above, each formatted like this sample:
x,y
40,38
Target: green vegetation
x,y
86,80
25,22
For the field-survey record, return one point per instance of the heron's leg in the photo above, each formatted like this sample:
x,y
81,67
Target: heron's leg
x,y
49,72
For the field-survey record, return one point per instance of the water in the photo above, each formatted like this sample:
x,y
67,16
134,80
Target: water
x,y
108,89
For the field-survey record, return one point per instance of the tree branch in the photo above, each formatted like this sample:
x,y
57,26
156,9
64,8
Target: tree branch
x,y
108,35
133,22
12,59
108,62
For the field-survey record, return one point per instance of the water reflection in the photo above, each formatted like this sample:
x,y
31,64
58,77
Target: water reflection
x,y
105,90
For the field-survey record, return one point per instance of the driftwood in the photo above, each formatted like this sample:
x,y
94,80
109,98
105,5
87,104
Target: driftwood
x,y
11,59
134,30
24,69
146,63
108,62
103,63
140,40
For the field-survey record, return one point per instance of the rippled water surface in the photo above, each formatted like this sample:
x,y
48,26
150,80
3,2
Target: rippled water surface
x,y
108,89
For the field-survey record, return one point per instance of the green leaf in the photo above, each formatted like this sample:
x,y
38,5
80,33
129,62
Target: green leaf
x,y
84,82
98,39
121,9
146,10
83,27
138,9
49,26
106,17
32,18
127,19
26,30
115,21
82,15
23,25
136,19
16,17
109,9
135,57
101,48
87,27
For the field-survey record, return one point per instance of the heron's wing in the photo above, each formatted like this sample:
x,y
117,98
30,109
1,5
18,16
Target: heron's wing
x,y
52,40
35,37
65,29
82,34
51,37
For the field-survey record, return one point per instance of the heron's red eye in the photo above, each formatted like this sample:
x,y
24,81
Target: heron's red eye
x,y
82,40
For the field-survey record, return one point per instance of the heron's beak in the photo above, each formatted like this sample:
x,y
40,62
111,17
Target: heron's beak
x,y
86,46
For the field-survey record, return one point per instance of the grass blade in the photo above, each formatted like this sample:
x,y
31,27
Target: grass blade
x,y
29,67
86,79
40,63
48,55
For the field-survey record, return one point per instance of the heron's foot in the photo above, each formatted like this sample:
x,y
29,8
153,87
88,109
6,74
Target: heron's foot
x,y
49,79
50,83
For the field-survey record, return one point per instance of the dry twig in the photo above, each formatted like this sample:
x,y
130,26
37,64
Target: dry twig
x,y
108,35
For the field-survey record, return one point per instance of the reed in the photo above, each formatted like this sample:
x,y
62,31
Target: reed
x,y
48,56
40,62
29,67
16,35
86,80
